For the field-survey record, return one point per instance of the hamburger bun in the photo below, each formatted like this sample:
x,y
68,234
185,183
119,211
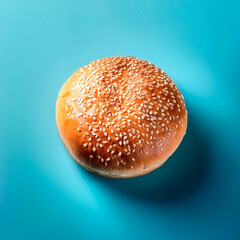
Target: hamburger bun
x,y
120,117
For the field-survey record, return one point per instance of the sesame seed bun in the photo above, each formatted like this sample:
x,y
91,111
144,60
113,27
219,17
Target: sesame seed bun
x,y
120,117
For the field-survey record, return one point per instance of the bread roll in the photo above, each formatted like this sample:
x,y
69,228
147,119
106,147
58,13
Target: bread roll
x,y
120,117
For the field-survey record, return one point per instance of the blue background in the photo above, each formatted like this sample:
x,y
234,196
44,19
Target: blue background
x,y
44,194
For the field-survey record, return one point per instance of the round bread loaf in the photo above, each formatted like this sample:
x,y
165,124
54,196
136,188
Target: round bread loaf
x,y
120,117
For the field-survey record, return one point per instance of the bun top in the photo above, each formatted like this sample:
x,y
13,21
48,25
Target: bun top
x,y
121,116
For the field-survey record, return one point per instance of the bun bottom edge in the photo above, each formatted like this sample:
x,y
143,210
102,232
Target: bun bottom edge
x,y
121,175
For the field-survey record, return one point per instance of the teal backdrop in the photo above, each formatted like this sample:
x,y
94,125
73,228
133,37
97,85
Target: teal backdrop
x,y
44,194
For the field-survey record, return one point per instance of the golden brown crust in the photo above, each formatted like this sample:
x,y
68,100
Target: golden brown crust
x,y
120,116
